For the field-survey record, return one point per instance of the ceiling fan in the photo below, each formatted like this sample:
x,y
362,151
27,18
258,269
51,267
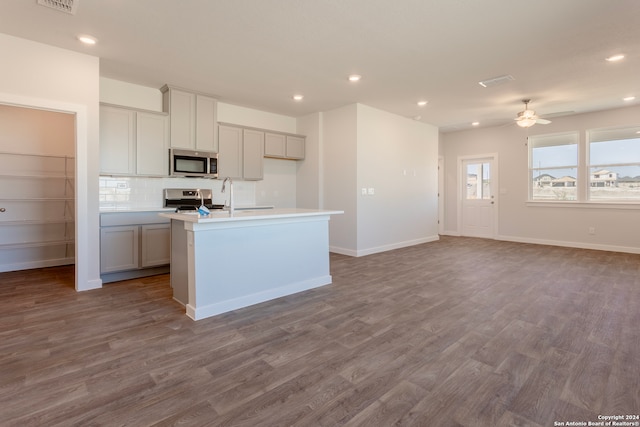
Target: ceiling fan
x,y
528,118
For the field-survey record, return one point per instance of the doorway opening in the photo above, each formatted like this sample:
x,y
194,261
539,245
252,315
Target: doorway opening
x,y
38,203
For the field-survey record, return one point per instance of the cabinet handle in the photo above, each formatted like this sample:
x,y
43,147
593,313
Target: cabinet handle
x,y
2,209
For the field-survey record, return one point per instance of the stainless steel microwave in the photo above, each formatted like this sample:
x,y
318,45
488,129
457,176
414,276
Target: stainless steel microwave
x,y
193,163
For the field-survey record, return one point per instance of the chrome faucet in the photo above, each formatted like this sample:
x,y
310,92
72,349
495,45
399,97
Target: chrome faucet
x,y
231,204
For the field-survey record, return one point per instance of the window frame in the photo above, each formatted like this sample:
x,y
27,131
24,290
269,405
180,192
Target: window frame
x,y
583,174
575,138
622,131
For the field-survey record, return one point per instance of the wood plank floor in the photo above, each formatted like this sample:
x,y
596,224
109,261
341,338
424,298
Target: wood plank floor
x,y
459,332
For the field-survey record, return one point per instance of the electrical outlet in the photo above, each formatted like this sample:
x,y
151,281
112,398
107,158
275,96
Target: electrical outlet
x,y
364,191
592,230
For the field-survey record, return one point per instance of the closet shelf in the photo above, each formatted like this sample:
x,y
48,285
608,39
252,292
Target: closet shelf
x,y
40,199
36,244
49,156
36,210
36,176
37,221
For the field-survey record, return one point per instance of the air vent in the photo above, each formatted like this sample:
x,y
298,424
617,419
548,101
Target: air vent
x,y
66,6
496,81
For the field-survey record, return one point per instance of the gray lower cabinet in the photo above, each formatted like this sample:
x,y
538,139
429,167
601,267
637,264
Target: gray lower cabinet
x,y
119,248
133,244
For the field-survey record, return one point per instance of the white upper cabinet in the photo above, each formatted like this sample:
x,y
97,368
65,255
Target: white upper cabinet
x,y
193,119
117,140
275,145
252,154
241,153
295,147
133,142
230,154
283,146
152,144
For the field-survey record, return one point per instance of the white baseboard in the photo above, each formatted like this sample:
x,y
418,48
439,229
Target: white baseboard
x,y
91,284
384,248
343,251
579,245
198,313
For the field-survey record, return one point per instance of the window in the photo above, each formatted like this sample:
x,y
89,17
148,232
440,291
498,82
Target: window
x,y
478,181
553,167
614,164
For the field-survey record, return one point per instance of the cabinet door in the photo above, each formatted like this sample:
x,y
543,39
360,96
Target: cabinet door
x,y
206,124
253,154
152,134
274,145
117,141
156,246
230,152
182,110
295,147
118,248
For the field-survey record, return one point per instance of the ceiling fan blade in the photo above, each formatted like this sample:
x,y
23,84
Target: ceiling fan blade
x,y
543,121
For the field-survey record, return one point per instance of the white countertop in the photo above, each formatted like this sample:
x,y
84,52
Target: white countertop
x,y
151,209
246,215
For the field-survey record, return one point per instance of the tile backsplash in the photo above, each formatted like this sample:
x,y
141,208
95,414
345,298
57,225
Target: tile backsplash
x,y
131,193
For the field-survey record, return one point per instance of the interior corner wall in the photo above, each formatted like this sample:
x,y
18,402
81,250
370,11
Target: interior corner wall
x,y
398,160
566,225
339,183
42,76
309,173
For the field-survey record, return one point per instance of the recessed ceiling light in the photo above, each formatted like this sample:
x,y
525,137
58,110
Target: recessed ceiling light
x,y
87,39
475,123
629,98
422,103
615,58
355,77
297,97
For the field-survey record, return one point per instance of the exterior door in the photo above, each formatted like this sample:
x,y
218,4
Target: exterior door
x,y
478,197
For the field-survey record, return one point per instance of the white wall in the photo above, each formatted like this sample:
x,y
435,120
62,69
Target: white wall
x,y
130,95
38,75
309,175
363,147
617,226
36,131
340,178
398,158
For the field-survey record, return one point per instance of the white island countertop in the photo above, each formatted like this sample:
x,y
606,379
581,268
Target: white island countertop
x,y
247,215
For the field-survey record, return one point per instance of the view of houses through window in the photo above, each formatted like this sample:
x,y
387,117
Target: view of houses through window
x,y
613,162
553,166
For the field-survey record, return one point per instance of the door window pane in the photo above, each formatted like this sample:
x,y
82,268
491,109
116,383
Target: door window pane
x,y
473,192
478,181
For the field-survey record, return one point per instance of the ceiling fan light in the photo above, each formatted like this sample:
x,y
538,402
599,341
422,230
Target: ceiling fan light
x,y
526,122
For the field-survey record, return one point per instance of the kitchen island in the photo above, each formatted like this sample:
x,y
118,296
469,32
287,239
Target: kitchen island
x,y
225,261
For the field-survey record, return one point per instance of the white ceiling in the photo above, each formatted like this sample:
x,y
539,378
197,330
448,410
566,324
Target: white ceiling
x,y
258,53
